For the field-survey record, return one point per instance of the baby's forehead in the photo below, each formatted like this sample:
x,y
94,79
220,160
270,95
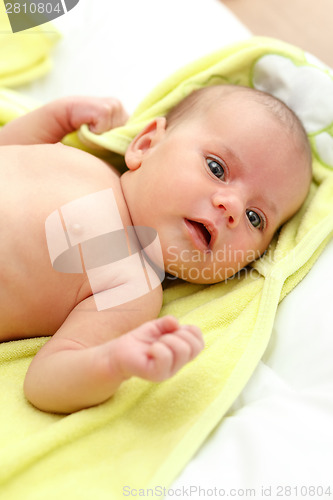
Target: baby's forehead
x,y
221,94
234,105
239,99
237,108
260,116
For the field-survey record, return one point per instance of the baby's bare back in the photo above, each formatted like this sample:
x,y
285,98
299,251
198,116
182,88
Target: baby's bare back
x,y
35,181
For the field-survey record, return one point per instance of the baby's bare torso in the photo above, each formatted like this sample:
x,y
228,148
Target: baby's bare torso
x,y
34,182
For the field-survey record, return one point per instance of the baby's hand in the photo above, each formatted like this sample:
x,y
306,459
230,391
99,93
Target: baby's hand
x,y
157,349
99,113
50,123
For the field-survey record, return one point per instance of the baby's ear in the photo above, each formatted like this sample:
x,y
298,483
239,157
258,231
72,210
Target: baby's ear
x,y
145,140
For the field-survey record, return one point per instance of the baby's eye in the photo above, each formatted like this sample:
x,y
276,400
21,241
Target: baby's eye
x,y
216,168
255,219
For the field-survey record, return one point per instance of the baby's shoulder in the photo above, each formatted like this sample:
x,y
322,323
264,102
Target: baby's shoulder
x,y
83,179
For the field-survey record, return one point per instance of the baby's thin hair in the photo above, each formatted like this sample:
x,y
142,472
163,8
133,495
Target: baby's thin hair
x,y
201,99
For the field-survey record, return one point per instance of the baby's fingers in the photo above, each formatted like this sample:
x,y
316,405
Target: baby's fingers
x,y
176,349
196,337
111,114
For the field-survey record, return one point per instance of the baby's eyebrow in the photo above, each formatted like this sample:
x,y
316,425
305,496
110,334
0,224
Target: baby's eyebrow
x,y
271,206
234,157
231,153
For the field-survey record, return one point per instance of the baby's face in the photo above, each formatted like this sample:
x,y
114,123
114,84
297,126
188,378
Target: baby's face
x,y
216,188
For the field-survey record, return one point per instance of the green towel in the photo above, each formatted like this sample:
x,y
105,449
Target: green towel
x,y
25,55
146,433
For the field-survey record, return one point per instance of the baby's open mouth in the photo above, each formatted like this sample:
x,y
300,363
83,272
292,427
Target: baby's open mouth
x,y
199,232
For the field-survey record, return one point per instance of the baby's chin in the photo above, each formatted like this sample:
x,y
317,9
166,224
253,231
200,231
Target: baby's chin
x,y
198,276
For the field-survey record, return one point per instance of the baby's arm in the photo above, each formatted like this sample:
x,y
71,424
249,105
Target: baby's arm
x,y
79,367
50,123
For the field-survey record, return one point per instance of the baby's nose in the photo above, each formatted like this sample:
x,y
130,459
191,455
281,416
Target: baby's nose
x,y
230,206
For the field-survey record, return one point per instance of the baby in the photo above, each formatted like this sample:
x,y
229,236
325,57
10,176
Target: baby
x,y
215,179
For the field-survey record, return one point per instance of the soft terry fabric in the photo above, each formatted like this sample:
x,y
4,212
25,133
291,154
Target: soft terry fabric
x,y
145,434
25,55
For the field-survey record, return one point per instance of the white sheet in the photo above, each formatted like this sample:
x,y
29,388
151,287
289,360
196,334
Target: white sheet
x,y
278,433
124,48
